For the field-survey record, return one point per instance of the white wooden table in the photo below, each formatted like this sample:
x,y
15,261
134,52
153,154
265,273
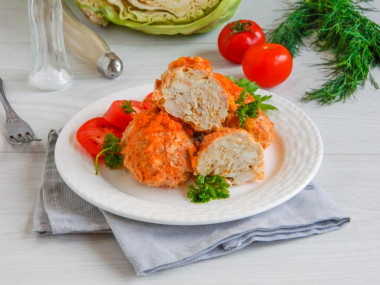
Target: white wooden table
x,y
350,171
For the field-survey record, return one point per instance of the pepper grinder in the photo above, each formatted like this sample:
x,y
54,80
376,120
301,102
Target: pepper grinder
x,y
50,69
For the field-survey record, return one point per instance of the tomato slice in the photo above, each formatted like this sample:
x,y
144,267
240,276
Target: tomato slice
x,y
91,134
147,103
118,117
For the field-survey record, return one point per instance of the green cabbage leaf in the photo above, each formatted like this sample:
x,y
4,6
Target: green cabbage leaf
x,y
167,17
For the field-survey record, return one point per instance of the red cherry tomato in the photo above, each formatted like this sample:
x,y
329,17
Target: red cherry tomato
x,y
118,116
91,134
237,37
267,64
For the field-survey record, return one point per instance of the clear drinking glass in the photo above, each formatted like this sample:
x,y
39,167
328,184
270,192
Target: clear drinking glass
x,y
50,69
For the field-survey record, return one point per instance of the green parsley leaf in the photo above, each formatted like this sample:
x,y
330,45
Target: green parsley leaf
x,y
242,96
251,109
247,110
265,107
260,99
127,107
111,153
208,188
248,85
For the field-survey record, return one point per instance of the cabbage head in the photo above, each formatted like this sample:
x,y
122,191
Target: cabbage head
x,y
168,17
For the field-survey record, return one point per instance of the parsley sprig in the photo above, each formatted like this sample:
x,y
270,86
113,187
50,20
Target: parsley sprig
x,y
208,188
111,153
250,109
127,107
247,110
249,86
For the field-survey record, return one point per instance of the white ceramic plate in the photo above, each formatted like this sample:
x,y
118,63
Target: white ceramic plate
x,y
290,163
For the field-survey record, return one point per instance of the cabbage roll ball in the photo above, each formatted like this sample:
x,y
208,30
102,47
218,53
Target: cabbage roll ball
x,y
261,127
157,150
189,91
232,153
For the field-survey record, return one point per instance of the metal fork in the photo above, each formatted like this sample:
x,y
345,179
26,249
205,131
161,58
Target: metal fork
x,y
17,131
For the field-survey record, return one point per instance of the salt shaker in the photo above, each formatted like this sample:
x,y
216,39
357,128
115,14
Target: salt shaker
x,y
50,69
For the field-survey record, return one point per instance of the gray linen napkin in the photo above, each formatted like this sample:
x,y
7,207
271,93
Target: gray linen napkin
x,y
152,247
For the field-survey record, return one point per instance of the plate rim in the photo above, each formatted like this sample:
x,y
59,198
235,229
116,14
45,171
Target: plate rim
x,y
178,220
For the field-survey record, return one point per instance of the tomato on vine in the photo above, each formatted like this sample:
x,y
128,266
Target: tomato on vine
x,y
237,37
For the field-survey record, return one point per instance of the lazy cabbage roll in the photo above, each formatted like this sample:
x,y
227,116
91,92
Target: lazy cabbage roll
x,y
232,153
161,16
157,150
189,91
261,127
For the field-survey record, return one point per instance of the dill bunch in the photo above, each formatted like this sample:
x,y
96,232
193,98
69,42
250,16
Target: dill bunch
x,y
339,27
298,23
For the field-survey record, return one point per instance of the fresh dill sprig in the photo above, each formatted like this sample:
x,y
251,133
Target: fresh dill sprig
x,y
111,153
297,24
339,27
208,188
354,42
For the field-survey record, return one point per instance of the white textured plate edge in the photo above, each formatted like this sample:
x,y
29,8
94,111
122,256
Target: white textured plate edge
x,y
303,160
